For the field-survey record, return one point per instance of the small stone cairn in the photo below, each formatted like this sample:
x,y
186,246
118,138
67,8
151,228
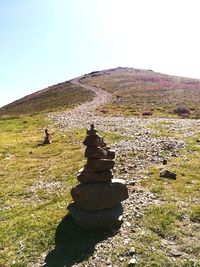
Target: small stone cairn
x,y
46,138
97,199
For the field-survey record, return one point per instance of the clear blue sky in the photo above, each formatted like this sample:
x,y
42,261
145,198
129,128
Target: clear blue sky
x,y
43,42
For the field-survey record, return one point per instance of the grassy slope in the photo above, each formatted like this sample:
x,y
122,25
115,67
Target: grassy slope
x,y
136,91
175,220
36,181
35,185
61,96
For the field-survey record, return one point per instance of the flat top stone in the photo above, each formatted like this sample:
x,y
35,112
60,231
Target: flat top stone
x,y
118,180
102,195
99,164
95,152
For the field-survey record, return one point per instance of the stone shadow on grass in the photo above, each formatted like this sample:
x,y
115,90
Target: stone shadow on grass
x,y
74,244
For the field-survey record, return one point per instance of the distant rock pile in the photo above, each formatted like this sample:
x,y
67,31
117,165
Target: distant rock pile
x,y
46,138
98,197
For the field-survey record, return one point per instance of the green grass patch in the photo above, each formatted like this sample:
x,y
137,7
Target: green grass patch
x,y
195,213
176,217
35,184
166,216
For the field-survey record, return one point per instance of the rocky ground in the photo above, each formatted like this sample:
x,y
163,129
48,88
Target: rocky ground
x,y
139,149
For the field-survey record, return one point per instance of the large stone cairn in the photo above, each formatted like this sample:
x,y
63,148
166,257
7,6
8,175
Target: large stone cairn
x,y
97,199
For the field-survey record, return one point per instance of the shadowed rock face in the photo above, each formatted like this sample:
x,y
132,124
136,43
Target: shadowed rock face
x,y
95,153
97,200
92,141
99,165
97,196
168,174
85,176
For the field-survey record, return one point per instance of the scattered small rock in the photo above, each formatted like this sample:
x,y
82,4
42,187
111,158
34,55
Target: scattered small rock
x,y
182,111
132,262
164,161
147,113
121,259
168,174
128,224
176,253
131,182
132,251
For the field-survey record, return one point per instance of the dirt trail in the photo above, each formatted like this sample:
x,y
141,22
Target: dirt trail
x,y
83,115
101,98
141,142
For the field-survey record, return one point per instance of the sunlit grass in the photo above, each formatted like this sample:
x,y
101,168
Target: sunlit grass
x,y
35,184
176,216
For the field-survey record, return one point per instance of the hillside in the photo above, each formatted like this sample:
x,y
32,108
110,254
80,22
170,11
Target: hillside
x,y
60,96
162,215
136,91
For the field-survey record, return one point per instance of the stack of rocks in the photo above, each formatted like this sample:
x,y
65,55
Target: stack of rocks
x,y
97,199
